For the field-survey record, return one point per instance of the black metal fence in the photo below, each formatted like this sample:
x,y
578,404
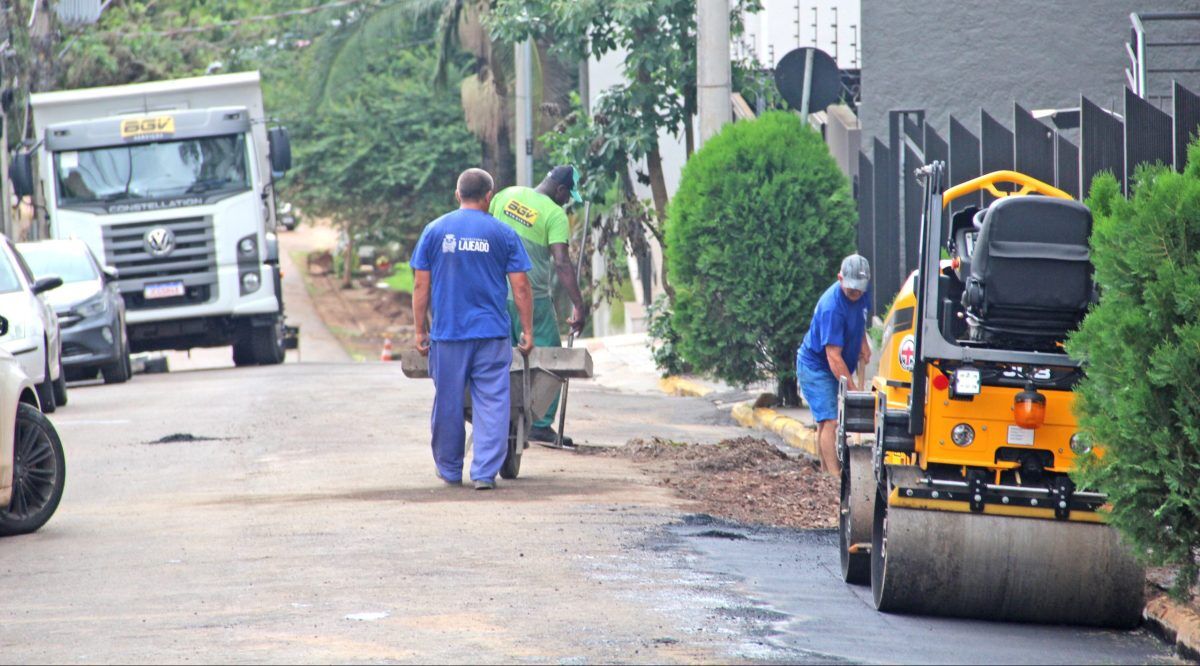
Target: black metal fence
x,y
1066,148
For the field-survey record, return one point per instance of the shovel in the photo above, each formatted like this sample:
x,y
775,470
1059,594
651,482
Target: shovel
x,y
562,410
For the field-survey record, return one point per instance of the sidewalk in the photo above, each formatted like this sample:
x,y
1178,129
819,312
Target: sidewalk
x,y
624,363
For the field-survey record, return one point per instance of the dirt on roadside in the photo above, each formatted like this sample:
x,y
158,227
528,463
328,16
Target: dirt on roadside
x,y
746,480
361,317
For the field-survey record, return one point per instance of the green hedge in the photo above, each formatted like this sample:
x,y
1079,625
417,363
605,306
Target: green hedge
x,y
1141,397
756,232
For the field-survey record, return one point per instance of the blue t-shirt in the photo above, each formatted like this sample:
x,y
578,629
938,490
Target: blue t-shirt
x,y
469,255
836,321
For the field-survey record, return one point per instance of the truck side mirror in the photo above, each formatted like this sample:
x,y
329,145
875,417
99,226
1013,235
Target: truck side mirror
x,y
281,151
20,172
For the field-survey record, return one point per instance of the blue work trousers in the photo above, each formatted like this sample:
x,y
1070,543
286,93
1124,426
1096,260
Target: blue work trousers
x,y
480,366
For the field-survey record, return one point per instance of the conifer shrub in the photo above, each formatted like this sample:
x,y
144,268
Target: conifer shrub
x,y
755,234
1141,343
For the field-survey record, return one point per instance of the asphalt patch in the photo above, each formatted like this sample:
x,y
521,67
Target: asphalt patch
x,y
183,438
721,534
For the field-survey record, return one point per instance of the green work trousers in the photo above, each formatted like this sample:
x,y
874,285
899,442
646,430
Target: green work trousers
x,y
545,334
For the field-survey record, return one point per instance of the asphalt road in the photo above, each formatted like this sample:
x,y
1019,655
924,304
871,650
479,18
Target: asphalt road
x,y
305,525
302,523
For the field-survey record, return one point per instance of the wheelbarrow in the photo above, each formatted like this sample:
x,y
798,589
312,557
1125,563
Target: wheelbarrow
x,y
534,382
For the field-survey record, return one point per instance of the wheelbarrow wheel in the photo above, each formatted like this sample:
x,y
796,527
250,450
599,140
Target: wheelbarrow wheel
x,y
512,462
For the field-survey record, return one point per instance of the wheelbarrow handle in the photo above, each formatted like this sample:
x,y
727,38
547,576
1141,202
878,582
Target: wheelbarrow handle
x,y
526,401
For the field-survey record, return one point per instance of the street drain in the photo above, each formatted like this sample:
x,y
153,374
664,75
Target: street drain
x,y
182,437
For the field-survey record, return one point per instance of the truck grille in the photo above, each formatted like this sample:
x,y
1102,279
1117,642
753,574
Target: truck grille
x,y
193,261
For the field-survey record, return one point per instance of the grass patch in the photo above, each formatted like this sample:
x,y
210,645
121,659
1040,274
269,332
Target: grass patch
x,y
401,278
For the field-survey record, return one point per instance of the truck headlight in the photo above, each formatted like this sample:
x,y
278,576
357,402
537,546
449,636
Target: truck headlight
x,y
962,434
247,246
251,282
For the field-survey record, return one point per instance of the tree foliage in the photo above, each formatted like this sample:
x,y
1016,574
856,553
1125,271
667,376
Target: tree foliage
x,y
761,221
380,152
1141,397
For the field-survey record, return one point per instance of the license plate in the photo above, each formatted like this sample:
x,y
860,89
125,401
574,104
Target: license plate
x,y
164,290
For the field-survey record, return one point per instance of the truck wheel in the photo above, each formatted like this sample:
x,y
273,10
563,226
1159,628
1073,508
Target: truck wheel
x,y
243,353
39,473
267,343
45,392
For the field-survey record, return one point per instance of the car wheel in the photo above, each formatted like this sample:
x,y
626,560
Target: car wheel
x,y
117,372
45,392
39,474
60,386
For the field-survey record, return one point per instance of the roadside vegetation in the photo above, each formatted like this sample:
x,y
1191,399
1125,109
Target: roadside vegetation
x,y
757,230
1141,397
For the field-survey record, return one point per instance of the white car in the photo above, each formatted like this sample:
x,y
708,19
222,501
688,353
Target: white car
x,y
33,334
32,465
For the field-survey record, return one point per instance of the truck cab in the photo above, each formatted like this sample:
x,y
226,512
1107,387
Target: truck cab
x,y
177,197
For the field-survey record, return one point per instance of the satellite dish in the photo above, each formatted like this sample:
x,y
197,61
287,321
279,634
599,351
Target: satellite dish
x,y
825,79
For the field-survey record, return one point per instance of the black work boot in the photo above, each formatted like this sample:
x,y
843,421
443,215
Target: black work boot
x,y
546,436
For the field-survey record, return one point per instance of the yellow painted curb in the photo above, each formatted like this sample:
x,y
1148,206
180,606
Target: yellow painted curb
x,y
1176,622
794,432
683,387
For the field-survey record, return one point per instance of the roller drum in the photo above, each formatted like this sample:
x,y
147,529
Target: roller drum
x,y
857,512
1001,568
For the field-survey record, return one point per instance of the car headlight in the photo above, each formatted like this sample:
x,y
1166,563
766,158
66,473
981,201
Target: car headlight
x,y
247,246
251,282
93,306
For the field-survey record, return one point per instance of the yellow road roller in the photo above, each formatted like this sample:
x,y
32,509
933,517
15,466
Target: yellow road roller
x,y
962,504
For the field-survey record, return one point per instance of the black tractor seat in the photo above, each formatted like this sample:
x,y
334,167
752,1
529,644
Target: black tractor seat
x,y
1030,277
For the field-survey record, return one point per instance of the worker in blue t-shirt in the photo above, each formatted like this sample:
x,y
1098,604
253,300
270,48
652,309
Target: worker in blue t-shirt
x,y
464,258
834,346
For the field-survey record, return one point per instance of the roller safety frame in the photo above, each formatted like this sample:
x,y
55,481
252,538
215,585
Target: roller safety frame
x,y
972,510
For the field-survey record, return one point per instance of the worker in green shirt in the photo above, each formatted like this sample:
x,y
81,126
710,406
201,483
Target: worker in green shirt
x,y
537,215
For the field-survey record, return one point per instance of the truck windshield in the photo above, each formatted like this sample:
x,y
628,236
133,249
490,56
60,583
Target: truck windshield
x,y
152,170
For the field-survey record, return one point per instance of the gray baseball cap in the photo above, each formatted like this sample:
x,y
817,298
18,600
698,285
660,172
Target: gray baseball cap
x,y
856,272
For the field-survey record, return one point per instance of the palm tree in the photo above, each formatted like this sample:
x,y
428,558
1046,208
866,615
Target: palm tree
x,y
486,93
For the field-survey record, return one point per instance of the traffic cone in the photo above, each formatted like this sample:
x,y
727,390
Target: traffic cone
x,y
387,351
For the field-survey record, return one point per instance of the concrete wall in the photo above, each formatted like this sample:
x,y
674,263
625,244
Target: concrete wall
x,y
955,56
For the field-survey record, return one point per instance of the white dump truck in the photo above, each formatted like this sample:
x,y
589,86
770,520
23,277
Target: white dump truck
x,y
171,184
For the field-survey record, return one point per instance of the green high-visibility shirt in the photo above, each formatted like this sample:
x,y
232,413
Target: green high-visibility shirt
x,y
539,222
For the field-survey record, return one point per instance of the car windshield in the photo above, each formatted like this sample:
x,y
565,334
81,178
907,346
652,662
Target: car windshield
x,y
152,170
70,264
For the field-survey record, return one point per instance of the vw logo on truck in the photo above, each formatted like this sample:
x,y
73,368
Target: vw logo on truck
x,y
160,241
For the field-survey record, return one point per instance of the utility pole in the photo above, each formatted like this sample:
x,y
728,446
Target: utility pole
x,y
524,134
713,67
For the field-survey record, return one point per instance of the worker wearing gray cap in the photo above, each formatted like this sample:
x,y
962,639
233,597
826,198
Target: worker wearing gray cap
x,y
834,346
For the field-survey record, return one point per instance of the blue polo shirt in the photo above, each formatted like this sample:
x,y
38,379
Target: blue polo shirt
x,y
836,321
469,255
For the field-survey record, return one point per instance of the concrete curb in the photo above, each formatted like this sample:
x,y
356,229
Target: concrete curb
x,y
1176,623
794,432
683,387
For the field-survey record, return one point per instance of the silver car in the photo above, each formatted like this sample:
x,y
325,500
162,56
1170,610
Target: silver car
x,y
33,334
89,307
